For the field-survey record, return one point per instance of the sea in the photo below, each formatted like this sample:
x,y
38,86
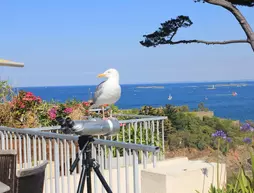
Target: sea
x,y
232,100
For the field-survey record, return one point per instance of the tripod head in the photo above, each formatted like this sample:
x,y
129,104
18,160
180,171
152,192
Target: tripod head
x,y
84,145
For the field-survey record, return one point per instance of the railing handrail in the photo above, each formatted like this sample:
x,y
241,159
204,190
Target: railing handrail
x,y
39,133
118,144
143,118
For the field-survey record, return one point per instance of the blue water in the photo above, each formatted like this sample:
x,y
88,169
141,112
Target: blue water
x,y
219,100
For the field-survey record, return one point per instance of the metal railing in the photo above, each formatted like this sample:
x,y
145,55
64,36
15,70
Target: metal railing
x,y
121,158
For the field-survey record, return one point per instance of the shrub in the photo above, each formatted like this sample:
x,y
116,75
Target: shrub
x,y
243,182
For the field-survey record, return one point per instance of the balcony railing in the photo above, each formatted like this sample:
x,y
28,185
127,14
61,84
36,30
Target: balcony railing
x,y
120,161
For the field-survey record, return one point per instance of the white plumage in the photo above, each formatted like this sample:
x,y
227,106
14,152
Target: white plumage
x,y
109,91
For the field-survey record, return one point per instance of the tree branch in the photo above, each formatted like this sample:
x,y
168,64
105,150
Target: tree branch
x,y
240,18
205,42
238,15
168,29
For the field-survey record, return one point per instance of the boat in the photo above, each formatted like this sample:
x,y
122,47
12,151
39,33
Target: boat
x,y
234,93
170,97
211,88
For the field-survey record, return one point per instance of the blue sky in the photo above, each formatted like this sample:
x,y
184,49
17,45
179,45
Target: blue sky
x,y
69,42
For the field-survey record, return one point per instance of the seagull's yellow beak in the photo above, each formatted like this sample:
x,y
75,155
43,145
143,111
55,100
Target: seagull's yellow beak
x,y
101,75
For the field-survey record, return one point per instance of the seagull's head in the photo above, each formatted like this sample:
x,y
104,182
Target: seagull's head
x,y
110,73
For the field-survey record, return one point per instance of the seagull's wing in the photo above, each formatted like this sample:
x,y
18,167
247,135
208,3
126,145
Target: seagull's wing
x,y
98,92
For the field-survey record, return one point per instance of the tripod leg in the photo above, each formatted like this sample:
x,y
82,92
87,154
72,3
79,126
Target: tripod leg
x,y
82,179
89,181
102,179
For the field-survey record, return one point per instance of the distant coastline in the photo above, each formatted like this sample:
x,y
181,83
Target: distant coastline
x,y
230,84
158,87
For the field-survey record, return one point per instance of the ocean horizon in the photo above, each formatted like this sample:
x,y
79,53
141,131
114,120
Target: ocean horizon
x,y
151,83
228,99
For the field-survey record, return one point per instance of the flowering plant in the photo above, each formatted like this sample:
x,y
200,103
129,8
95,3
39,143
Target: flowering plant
x,y
60,110
243,182
23,109
25,101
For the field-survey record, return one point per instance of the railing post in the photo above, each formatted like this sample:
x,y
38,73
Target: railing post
x,y
2,141
29,152
73,156
163,145
44,151
110,165
6,140
62,166
56,161
118,167
20,153
35,150
95,182
11,142
135,172
25,151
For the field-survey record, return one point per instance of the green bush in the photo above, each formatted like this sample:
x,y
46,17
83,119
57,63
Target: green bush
x,y
185,129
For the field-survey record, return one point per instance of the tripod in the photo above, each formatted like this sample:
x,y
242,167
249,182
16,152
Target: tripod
x,y
85,145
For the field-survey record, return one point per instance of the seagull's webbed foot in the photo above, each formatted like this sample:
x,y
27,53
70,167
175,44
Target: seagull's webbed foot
x,y
108,108
103,113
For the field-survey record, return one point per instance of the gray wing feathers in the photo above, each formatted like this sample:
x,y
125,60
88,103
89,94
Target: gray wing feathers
x,y
98,92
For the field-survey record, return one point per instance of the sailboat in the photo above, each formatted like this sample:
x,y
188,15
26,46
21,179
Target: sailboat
x,y
211,88
170,97
234,93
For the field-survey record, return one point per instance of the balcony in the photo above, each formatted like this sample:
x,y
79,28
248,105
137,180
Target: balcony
x,y
120,162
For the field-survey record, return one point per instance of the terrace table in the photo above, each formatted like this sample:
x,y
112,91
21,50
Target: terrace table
x,y
4,187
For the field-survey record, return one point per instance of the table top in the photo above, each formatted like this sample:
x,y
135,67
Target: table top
x,y
4,187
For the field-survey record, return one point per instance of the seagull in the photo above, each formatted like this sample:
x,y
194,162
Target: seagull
x,y
107,92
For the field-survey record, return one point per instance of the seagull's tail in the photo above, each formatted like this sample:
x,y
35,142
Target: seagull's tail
x,y
93,106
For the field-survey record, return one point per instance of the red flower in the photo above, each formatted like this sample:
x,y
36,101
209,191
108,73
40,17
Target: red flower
x,y
86,104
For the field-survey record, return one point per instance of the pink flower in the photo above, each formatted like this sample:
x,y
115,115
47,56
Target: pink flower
x,y
27,99
68,110
52,113
22,106
122,124
39,99
30,97
29,94
52,116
